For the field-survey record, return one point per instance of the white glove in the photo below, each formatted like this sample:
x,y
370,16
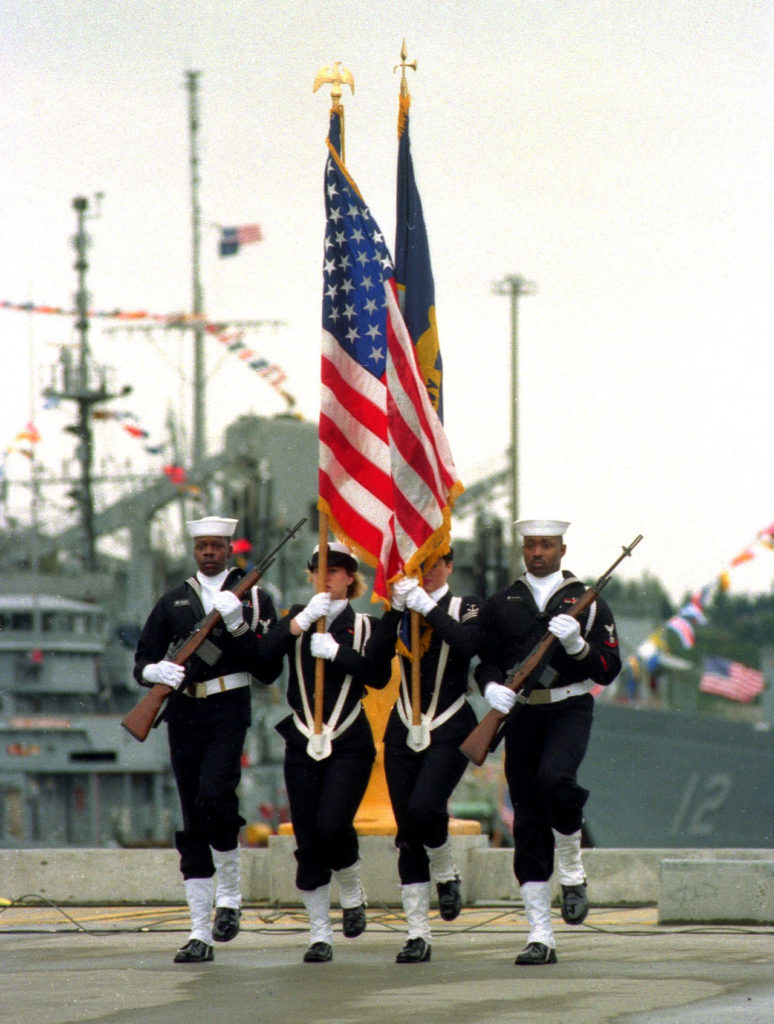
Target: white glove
x,y
323,646
418,600
500,698
400,590
230,608
319,605
166,672
566,629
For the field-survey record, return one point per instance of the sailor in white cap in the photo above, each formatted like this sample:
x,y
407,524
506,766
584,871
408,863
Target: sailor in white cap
x,y
207,717
546,737
211,526
327,772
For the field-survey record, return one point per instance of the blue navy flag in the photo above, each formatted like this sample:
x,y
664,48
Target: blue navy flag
x,y
413,272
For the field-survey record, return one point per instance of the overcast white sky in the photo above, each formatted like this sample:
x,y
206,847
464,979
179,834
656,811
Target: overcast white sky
x,y
618,154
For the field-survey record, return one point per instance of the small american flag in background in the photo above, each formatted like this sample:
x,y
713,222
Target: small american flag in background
x,y
232,238
731,679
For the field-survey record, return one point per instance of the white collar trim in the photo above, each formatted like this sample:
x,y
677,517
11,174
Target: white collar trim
x,y
212,582
542,587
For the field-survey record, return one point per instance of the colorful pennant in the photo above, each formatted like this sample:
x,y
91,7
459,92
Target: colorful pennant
x,y
272,373
653,651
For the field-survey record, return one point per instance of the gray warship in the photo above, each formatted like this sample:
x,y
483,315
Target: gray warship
x,y
69,775
663,776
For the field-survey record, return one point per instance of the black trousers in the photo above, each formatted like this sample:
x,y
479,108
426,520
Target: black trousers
x,y
544,747
206,737
324,797
420,784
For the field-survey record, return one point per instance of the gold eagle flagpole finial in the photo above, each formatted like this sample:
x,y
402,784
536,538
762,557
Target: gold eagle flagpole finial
x,y
403,65
336,76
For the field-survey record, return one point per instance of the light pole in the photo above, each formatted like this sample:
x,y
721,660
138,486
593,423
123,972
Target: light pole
x,y
515,286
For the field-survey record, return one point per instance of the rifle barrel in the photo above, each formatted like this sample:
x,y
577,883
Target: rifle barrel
x,y
139,721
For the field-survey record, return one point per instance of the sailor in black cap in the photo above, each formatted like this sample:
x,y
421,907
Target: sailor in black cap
x,y
207,717
327,772
423,763
546,738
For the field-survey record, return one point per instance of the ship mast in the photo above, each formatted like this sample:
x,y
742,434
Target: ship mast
x,y
514,285
199,449
85,384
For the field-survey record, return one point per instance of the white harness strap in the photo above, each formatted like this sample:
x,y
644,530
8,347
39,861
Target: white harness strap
x,y
418,737
592,616
256,601
320,745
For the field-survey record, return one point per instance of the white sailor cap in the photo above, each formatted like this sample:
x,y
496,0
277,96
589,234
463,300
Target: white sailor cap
x,y
541,527
338,555
212,526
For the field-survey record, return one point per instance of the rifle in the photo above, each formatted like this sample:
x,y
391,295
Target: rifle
x,y
485,736
143,715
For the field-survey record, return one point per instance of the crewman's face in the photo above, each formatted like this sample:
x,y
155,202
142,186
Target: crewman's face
x,y
211,554
337,581
543,555
433,579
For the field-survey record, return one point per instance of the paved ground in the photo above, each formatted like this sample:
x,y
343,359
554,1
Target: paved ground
x,y
114,965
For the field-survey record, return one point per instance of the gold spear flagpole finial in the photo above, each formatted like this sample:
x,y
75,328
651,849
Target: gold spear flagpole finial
x,y
403,65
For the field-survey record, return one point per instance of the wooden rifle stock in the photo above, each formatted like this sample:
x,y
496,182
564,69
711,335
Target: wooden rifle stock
x,y
483,738
139,721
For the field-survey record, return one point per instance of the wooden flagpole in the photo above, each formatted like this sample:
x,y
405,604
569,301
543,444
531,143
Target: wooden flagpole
x,y
336,77
319,663
416,681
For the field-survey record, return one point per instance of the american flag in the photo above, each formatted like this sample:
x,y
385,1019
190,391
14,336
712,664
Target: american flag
x,y
387,480
232,238
731,679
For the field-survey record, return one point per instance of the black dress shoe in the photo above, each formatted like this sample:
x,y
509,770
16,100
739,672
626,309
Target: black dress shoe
x,y
226,924
318,953
536,953
194,952
575,903
449,899
353,921
416,951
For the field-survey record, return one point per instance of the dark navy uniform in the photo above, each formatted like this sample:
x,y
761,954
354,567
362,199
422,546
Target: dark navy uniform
x,y
324,794
546,739
208,717
421,782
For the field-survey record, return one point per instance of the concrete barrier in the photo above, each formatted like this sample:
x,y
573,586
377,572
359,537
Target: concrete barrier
x,y
716,891
633,877
84,877
379,868
616,877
